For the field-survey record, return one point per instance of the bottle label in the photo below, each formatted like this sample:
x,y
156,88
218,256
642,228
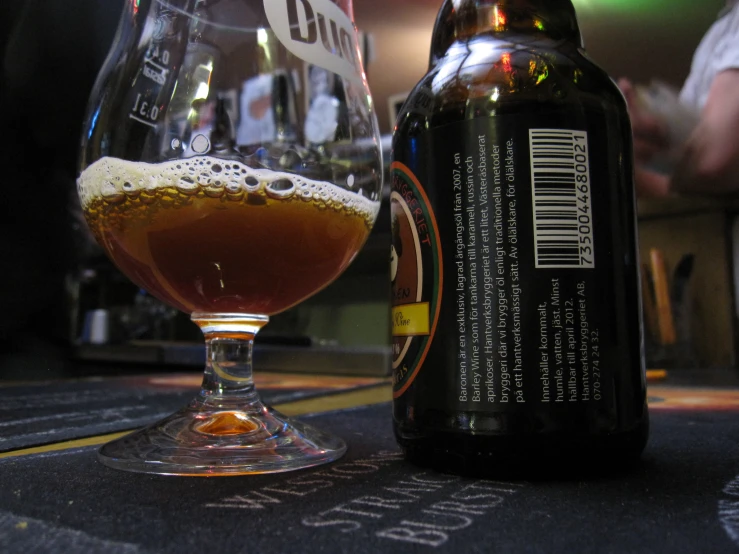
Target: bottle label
x,y
532,310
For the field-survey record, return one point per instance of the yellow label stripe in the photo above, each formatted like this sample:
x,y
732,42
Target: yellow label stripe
x,y
411,320
341,401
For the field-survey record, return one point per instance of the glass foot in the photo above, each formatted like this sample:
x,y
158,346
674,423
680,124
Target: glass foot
x,y
202,442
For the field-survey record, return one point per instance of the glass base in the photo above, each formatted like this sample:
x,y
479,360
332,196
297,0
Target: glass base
x,y
213,442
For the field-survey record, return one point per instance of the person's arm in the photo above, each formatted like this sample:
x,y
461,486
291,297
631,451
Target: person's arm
x,y
650,137
709,163
650,184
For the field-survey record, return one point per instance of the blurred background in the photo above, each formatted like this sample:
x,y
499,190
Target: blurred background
x,y
641,39
66,310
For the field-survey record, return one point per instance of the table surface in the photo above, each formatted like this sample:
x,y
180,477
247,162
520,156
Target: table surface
x,y
55,496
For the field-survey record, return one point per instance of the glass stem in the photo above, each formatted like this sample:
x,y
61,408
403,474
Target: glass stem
x,y
228,382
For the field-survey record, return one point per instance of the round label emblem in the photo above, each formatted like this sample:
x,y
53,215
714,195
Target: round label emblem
x,y
416,274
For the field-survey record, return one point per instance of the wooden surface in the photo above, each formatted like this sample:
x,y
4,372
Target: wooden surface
x,y
675,206
711,289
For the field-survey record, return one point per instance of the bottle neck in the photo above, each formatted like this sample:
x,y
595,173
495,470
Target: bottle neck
x,y
464,19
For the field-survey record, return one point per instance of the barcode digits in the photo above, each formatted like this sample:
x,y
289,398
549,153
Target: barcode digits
x,y
563,220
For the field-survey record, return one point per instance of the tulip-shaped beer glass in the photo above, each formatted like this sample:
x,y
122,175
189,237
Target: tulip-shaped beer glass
x,y
231,166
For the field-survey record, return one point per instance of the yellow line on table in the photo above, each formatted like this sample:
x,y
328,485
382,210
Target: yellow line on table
x,y
340,401
66,445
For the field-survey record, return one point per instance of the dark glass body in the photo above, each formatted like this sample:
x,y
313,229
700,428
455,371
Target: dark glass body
x,y
528,56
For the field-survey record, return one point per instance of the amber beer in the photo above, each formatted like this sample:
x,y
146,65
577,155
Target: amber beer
x,y
516,321
214,236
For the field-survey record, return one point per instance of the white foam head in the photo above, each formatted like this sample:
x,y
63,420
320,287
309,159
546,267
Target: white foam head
x,y
113,178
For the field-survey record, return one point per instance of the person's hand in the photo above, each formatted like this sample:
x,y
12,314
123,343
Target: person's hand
x,y
650,134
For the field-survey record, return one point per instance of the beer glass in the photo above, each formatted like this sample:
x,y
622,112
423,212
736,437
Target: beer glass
x,y
231,166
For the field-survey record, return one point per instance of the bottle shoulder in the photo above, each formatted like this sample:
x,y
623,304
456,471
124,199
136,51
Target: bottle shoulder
x,y
488,76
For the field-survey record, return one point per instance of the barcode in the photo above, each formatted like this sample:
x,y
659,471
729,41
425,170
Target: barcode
x,y
563,217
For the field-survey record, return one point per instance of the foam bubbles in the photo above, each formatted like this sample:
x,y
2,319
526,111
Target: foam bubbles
x,y
113,180
186,185
280,189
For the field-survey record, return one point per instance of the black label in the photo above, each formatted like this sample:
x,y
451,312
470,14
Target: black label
x,y
525,280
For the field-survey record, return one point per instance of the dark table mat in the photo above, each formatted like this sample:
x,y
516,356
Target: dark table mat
x,y
33,415
684,497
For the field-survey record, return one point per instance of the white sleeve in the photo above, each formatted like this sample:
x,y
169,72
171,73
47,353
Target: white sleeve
x,y
717,52
727,52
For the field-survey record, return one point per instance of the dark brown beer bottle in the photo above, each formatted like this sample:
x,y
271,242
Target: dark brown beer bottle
x,y
517,340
